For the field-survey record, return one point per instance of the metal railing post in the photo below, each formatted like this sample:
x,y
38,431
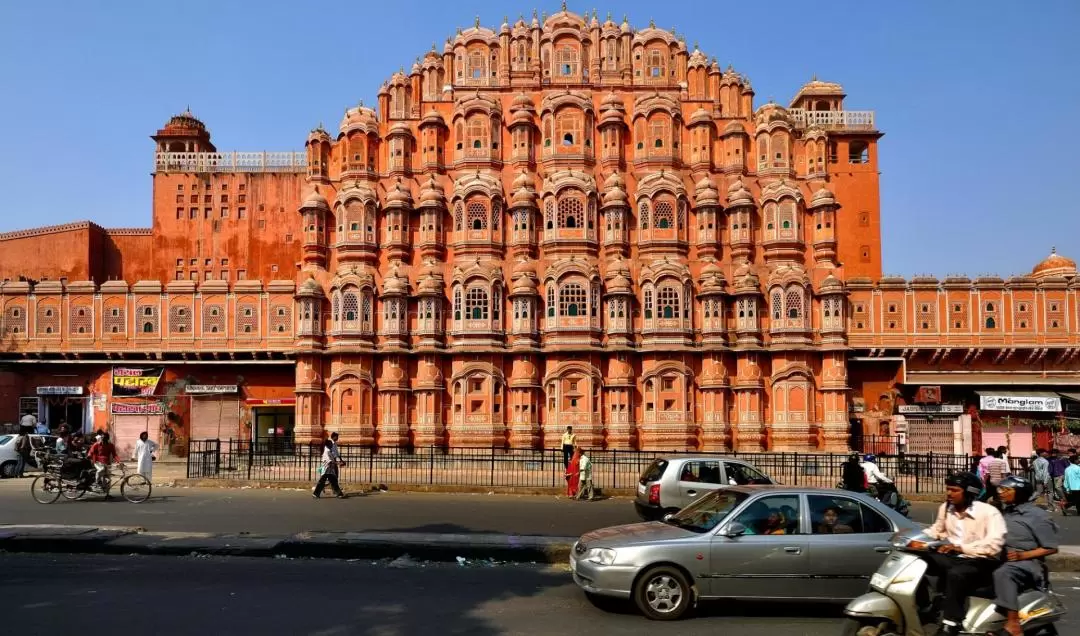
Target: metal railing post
x,y
431,465
492,466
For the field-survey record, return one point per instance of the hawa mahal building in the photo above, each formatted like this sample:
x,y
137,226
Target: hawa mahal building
x,y
560,222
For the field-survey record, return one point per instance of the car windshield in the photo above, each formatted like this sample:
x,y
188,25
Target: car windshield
x,y
706,513
4,439
654,472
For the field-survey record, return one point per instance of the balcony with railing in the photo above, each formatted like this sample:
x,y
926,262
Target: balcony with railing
x,y
230,162
833,119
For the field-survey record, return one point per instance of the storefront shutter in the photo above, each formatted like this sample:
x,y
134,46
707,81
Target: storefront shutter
x,y
215,417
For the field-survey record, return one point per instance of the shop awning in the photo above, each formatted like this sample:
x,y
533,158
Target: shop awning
x,y
1019,400
1075,397
992,379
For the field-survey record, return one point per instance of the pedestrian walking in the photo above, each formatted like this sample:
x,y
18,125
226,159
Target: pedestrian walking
x,y
23,450
569,441
1044,484
28,421
1071,483
144,456
996,469
585,483
573,474
331,460
1057,475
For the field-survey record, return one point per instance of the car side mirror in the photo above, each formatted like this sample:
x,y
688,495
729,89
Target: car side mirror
x,y
735,529
668,516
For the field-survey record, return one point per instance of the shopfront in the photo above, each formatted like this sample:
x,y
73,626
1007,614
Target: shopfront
x,y
129,420
273,421
1013,418
933,428
60,404
215,411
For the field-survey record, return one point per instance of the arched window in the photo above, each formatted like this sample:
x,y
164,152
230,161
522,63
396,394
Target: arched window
x,y
787,214
643,212
572,300
777,305
459,216
478,135
648,304
794,303
669,303
148,327
549,214
858,152
457,304
566,61
571,213
551,300
336,307
350,306
990,323
477,215
656,63
989,306
476,303
658,130
477,64
663,215
568,127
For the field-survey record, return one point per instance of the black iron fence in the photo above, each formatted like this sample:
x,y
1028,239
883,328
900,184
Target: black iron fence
x,y
527,468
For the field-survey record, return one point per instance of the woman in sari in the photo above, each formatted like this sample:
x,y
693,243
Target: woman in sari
x,y
573,474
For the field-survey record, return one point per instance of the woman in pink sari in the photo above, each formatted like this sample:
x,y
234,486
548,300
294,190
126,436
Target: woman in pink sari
x,y
573,473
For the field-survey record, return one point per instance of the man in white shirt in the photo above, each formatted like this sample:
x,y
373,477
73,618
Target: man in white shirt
x,y
873,473
975,532
585,476
28,422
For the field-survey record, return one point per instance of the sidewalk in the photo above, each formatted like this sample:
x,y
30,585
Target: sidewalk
x,y
332,545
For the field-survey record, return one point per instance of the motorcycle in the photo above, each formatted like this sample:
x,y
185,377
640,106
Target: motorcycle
x,y
896,603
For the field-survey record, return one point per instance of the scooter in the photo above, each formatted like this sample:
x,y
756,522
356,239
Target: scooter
x,y
892,607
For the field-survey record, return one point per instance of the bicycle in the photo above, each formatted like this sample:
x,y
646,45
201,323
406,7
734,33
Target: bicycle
x,y
49,486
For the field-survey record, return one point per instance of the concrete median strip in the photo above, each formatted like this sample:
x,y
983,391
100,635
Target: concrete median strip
x,y
64,539
312,544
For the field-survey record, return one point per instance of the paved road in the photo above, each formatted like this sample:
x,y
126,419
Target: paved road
x,y
287,511
42,594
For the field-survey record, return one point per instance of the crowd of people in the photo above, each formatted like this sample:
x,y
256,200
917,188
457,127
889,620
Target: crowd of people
x,y
79,455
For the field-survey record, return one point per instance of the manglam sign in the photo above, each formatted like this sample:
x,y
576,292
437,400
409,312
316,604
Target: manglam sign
x,y
1020,403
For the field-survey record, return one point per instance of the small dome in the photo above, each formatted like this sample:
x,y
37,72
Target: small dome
x,y
710,268
184,122
522,180
615,191
697,58
823,196
619,283
733,128
315,200
620,369
400,128
524,266
611,100
705,193
524,368
831,284
310,288
738,194
522,100
432,193
429,372
395,282
700,116
399,196
433,118
1055,265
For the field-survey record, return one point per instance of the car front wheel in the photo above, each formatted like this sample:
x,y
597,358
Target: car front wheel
x,y
7,470
663,594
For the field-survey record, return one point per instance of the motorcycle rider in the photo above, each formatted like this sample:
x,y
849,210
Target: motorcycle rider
x,y
975,532
1032,536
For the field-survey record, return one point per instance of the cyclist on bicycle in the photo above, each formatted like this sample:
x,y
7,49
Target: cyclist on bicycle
x,y
102,453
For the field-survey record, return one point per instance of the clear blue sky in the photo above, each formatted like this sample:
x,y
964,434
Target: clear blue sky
x,y
979,100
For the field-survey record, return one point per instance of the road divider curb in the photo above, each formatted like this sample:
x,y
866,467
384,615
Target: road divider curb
x,y
74,539
312,544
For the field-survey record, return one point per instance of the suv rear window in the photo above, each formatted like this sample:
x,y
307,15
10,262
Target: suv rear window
x,y
654,472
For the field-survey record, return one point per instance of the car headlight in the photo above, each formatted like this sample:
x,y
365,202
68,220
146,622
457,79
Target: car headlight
x,y
600,556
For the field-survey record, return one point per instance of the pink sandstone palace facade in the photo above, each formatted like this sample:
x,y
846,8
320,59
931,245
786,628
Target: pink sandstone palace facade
x,y
558,222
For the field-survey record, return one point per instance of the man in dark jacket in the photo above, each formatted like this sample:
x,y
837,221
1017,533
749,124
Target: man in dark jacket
x,y
854,477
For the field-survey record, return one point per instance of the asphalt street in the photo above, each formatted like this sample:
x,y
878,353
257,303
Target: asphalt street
x,y
267,511
43,594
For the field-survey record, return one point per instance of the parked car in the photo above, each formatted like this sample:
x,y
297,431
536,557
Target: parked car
x,y
8,456
670,484
748,542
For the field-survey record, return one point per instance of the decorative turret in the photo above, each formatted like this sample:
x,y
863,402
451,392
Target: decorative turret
x,y
396,213
712,288
823,206
1054,266
709,217
740,214
183,133
314,211
523,213
318,155
616,210
432,207
523,298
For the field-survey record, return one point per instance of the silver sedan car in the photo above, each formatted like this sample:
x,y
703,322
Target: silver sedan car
x,y
750,542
